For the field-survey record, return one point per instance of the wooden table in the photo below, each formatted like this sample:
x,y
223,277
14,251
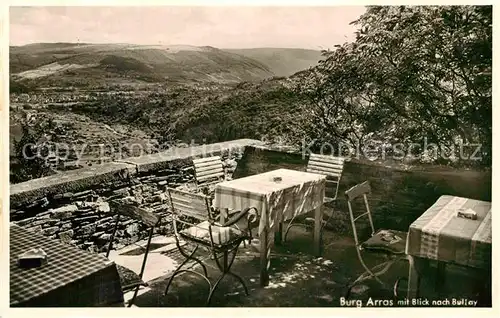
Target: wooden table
x,y
297,193
439,234
71,277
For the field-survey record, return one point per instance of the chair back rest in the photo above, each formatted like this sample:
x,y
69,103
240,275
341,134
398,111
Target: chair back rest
x,y
208,169
361,190
134,212
329,166
186,205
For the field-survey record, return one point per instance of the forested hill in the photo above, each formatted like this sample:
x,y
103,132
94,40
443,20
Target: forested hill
x,y
49,63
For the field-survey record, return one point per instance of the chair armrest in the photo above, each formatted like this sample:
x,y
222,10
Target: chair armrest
x,y
248,212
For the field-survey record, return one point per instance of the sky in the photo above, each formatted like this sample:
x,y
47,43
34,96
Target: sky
x,y
223,27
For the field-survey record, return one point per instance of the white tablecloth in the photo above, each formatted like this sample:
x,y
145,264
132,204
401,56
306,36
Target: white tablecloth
x,y
439,234
297,193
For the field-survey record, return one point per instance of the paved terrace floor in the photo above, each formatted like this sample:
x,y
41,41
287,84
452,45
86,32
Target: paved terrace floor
x,y
297,279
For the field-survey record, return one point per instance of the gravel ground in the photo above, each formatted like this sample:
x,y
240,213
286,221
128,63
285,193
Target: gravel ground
x,y
297,279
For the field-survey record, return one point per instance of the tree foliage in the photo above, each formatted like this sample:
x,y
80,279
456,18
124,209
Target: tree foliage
x,y
413,72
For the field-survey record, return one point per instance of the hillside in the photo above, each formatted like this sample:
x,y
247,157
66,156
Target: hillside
x,y
282,61
185,113
49,64
129,121
171,94
38,62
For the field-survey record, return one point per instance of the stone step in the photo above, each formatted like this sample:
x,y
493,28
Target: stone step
x,y
159,244
167,248
157,265
128,295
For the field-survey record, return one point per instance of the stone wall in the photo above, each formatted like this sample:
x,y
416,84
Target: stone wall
x,y
73,206
400,195
262,159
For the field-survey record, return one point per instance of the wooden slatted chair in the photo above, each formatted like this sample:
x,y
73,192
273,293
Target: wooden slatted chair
x,y
208,171
193,212
391,243
129,279
330,166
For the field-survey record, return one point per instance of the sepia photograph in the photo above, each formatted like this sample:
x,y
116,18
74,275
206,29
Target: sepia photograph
x,y
250,156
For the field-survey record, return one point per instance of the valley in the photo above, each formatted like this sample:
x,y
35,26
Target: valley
x,y
148,98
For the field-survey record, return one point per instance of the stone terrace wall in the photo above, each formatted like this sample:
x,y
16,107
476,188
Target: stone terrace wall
x,y
399,196
73,205
262,159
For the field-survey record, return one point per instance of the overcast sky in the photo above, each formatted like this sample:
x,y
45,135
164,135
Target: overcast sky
x,y
222,27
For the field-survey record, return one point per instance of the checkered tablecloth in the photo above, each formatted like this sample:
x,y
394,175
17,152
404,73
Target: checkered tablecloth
x,y
439,234
298,192
71,277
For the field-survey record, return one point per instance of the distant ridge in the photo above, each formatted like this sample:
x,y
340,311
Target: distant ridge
x,y
282,61
42,62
